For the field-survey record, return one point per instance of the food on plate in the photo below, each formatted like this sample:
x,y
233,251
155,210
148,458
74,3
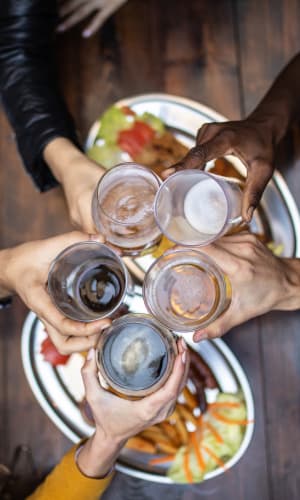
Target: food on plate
x,y
213,443
125,136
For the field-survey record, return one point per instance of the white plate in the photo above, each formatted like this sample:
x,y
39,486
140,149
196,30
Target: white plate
x,y
58,391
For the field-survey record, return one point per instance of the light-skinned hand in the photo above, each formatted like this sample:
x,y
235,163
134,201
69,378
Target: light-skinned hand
x,y
118,419
72,12
260,281
25,273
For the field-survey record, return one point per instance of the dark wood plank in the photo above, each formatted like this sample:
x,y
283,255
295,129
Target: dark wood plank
x,y
267,41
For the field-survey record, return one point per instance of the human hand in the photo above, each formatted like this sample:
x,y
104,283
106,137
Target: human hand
x,y
78,176
26,272
73,12
250,140
117,419
260,281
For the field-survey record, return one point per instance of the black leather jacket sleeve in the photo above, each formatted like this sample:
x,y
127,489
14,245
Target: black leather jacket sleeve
x,y
28,83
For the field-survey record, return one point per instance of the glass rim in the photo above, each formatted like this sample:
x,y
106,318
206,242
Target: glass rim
x,y
164,185
122,166
168,338
76,245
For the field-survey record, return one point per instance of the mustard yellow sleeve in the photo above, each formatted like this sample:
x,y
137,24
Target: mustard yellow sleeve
x,y
67,482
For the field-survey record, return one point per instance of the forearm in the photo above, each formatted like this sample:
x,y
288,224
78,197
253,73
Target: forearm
x,y
28,83
281,105
98,455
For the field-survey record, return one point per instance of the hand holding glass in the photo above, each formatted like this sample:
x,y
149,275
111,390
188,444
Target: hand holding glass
x,y
195,208
87,281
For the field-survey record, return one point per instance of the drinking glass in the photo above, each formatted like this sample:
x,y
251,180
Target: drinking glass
x,y
185,290
135,355
122,208
87,281
195,208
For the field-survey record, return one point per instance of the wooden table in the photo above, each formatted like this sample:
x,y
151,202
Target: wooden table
x,y
224,54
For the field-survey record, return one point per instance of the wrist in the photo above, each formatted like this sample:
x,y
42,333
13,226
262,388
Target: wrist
x,y
6,285
289,299
61,155
98,455
273,117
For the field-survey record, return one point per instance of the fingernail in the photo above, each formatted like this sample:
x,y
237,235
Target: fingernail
x,y
60,28
86,33
183,357
90,354
183,343
250,213
200,336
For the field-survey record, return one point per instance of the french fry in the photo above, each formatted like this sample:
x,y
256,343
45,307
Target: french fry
x,y
138,443
166,447
180,427
170,431
190,399
187,414
155,435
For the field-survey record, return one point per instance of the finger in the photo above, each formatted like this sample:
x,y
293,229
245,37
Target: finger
x,y
75,18
198,156
46,311
69,6
100,18
222,255
208,132
258,176
69,345
89,374
171,388
216,329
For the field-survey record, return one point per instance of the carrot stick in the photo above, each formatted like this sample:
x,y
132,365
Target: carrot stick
x,y
214,432
228,404
197,451
214,457
226,420
186,466
161,460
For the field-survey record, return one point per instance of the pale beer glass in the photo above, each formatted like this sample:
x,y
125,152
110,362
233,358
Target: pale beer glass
x,y
195,208
123,208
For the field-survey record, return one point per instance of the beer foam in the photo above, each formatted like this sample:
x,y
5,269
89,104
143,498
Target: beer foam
x,y
205,207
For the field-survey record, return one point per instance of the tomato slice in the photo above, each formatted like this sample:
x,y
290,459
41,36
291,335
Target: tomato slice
x,y
134,139
51,354
129,142
144,131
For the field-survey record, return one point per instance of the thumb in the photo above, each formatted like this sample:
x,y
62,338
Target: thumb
x,y
89,374
259,174
215,330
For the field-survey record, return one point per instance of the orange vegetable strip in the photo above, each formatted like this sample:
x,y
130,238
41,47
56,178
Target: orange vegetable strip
x,y
228,404
197,451
214,432
214,456
226,420
161,460
186,466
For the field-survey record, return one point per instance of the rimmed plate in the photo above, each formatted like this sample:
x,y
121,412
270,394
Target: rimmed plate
x,y
278,215
59,391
